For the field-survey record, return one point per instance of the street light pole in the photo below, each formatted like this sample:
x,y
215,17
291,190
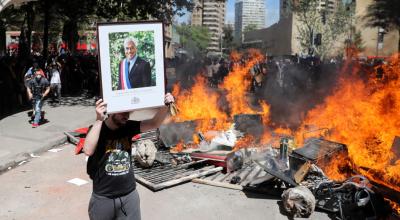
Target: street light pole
x,y
220,40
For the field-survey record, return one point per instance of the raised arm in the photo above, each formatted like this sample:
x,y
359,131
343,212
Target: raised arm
x,y
160,116
93,135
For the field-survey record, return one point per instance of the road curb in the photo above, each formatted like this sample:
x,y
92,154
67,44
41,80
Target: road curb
x,y
26,156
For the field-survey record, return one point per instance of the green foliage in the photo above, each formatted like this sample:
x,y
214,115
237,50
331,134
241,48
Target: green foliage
x,y
145,50
250,27
384,14
119,10
358,41
194,38
312,20
228,37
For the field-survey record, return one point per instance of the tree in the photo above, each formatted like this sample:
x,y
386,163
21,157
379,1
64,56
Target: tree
x,y
250,27
74,12
194,39
358,41
228,37
330,26
10,18
46,7
384,14
119,10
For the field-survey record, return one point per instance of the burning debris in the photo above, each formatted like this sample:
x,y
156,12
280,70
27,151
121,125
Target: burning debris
x,y
348,134
299,201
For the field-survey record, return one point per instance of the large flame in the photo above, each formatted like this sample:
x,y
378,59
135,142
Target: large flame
x,y
364,114
200,103
204,104
238,82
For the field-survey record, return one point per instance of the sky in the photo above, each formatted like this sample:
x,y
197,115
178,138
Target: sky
x,y
272,12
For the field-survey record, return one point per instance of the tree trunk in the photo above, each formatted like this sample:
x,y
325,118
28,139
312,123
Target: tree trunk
x,y
23,50
3,45
46,28
398,43
30,15
70,34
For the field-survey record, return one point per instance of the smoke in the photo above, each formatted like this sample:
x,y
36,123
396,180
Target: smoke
x,y
171,134
295,90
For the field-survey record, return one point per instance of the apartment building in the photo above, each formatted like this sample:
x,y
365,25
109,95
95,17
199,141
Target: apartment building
x,y
210,14
248,12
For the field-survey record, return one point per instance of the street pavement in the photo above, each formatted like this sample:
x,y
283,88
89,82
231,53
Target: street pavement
x,y
39,190
19,141
34,181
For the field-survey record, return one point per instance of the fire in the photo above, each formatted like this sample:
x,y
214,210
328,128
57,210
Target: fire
x,y
364,115
395,206
200,103
237,84
338,167
179,147
244,142
206,105
235,56
182,146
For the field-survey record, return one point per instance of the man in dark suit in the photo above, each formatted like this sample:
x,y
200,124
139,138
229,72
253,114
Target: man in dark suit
x,y
134,72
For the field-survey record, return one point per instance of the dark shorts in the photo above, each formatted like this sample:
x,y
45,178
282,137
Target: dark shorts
x,y
125,207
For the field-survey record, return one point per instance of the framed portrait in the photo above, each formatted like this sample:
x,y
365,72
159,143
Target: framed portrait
x,y
131,61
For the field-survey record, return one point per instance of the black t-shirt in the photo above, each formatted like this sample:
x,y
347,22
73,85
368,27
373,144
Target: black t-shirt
x,y
38,87
110,167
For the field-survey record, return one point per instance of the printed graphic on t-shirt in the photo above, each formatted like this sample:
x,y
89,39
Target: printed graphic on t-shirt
x,y
118,162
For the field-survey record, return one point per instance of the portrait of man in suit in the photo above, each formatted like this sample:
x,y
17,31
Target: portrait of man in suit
x,y
134,71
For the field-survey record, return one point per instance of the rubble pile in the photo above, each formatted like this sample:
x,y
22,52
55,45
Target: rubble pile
x,y
294,174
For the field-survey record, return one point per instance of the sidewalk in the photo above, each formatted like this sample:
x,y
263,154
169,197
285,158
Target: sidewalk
x,y
19,140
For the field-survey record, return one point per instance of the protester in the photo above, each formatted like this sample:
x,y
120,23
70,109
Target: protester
x,y
108,145
55,84
29,75
134,71
38,89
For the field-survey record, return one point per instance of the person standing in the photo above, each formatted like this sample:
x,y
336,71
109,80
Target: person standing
x,y
55,84
30,73
108,145
38,89
134,72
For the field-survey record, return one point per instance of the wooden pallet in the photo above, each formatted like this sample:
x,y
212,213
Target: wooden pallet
x,y
249,179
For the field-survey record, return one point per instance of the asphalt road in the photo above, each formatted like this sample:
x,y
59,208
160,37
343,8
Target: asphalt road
x,y
38,189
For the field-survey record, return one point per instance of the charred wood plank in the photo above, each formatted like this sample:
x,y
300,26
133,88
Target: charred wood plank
x,y
218,184
254,174
184,179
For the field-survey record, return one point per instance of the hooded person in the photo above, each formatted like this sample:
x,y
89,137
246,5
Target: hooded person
x,y
38,89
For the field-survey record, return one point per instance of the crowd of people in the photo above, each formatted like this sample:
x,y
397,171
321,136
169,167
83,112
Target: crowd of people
x,y
66,74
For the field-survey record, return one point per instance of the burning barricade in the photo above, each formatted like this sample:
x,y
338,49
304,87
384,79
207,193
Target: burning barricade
x,y
348,159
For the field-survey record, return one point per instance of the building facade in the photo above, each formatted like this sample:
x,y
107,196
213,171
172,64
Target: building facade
x,y
282,37
373,45
248,12
210,14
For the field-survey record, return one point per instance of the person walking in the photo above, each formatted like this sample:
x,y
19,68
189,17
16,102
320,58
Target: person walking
x,y
37,90
108,145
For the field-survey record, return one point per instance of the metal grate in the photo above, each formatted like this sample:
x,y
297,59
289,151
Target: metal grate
x,y
163,176
317,149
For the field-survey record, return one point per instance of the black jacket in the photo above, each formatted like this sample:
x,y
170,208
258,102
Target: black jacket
x,y
140,74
